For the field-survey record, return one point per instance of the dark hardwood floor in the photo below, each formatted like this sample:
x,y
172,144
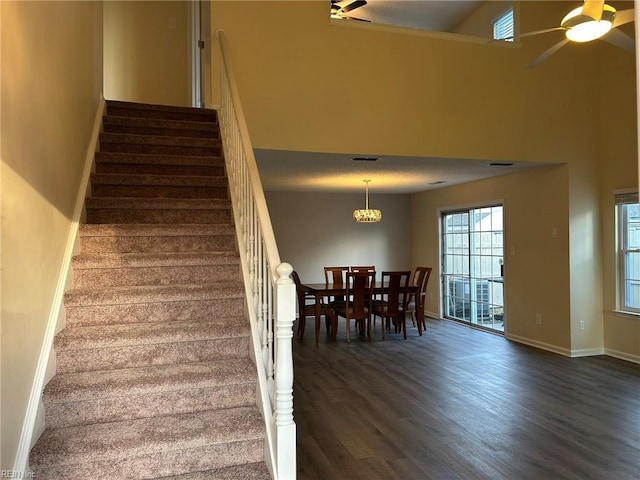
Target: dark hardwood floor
x,y
459,403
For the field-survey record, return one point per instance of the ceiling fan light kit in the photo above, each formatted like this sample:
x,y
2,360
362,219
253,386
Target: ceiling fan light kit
x,y
592,21
583,28
366,214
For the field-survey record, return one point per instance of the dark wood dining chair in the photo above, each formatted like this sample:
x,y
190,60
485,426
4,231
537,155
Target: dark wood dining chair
x,y
359,296
307,308
416,302
362,268
392,305
335,276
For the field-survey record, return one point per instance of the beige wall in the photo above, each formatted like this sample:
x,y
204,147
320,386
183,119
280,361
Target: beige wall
x,y
314,230
536,263
618,170
308,84
147,52
51,87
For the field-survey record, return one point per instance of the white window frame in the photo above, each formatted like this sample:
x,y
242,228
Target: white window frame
x,y
505,19
623,250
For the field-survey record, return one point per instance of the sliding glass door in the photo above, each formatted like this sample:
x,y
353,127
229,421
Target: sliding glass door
x,y
472,266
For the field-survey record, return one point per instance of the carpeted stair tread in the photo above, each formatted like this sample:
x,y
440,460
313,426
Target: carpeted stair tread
x,y
117,357
119,260
132,139
144,230
133,203
129,382
151,146
133,109
248,471
120,124
159,160
153,293
110,409
136,334
128,185
158,180
158,238
113,269
214,167
153,312
96,443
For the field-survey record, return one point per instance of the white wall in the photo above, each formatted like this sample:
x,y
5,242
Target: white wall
x,y
314,230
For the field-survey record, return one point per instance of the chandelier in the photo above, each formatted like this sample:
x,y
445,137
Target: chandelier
x,y
367,215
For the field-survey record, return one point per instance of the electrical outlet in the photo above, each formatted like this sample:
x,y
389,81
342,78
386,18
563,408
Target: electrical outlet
x,y
581,325
538,319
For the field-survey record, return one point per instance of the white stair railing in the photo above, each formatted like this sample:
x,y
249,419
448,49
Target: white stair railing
x,y
271,293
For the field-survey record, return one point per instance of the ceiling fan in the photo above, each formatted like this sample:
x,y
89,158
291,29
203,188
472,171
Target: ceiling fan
x,y
591,21
338,10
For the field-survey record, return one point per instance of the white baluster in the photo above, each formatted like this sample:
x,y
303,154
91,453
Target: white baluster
x,y
286,428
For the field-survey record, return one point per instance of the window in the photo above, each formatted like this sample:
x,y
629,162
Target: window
x,y
503,26
628,248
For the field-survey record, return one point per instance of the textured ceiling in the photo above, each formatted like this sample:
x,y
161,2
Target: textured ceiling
x,y
328,172
437,15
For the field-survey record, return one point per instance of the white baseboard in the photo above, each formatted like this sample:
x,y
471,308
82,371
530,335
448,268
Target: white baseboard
x,y
587,352
622,355
534,343
33,416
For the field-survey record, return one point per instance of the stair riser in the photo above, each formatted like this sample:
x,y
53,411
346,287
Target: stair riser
x,y
82,359
162,464
191,216
160,275
159,114
161,131
144,191
157,244
145,169
160,149
152,312
154,404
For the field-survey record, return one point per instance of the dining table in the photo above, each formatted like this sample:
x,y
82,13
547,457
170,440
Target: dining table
x,y
323,290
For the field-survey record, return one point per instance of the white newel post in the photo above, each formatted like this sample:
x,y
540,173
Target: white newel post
x,y
285,426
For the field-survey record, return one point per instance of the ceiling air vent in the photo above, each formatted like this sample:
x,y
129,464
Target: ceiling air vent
x,y
501,164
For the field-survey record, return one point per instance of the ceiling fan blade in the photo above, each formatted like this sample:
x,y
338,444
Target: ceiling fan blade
x,y
353,5
623,16
358,19
593,9
620,39
548,53
538,32
528,34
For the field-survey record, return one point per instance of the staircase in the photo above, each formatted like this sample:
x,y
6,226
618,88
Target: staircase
x,y
153,376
